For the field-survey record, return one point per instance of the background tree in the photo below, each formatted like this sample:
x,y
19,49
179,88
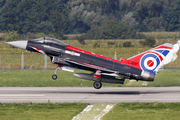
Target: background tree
x,y
12,36
150,41
172,16
2,2
32,16
58,21
60,17
111,30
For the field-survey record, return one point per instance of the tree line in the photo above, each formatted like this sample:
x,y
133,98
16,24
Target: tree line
x,y
60,17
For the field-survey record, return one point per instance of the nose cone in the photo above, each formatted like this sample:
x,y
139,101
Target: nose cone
x,y
19,44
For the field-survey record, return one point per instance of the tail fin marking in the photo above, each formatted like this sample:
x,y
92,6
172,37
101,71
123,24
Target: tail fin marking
x,y
152,59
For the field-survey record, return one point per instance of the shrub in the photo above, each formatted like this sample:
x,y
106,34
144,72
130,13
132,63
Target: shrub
x,y
111,43
150,41
96,45
81,40
127,44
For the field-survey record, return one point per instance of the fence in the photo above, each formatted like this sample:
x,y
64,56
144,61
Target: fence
x,y
25,61
36,61
22,61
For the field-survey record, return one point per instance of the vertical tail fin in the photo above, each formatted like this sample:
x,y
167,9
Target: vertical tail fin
x,y
153,59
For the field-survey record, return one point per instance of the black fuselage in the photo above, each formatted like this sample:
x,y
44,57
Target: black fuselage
x,y
54,50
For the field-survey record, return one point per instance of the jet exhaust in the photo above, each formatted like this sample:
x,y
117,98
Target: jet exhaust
x,y
147,76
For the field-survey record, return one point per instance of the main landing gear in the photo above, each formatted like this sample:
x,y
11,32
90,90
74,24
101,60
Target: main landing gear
x,y
97,76
54,77
97,85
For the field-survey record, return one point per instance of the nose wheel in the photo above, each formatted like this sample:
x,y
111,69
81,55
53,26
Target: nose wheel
x,y
97,85
54,77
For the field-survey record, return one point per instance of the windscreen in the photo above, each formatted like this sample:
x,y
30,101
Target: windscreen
x,y
49,40
54,41
40,40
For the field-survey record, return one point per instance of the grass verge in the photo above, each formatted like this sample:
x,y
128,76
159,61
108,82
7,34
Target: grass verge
x,y
40,111
42,78
144,111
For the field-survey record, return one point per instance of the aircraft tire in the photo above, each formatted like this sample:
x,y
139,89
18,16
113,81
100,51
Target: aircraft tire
x,y
97,85
54,77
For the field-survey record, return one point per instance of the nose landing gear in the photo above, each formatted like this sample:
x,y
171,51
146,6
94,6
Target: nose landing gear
x,y
54,77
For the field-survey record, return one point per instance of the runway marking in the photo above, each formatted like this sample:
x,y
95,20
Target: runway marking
x,y
22,95
145,83
93,112
79,116
106,110
130,82
88,108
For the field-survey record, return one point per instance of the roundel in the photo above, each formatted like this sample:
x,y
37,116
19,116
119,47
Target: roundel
x,y
150,62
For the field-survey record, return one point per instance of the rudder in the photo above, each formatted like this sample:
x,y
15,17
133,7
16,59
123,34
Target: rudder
x,y
153,59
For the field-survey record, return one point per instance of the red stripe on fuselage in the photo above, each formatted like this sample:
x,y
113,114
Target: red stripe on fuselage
x,y
89,53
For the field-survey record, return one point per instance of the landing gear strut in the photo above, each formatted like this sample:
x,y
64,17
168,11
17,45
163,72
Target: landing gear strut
x,y
97,85
54,77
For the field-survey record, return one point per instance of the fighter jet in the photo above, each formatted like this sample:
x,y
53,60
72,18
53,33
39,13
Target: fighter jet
x,y
143,66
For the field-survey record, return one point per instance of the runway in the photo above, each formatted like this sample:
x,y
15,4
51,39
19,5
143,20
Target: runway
x,y
89,95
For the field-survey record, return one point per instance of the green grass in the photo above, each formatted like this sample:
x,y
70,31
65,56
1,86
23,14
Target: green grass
x,y
144,111
42,78
66,111
166,78
40,111
162,35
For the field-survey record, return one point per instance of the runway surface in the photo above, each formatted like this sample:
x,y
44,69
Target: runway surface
x,y
89,94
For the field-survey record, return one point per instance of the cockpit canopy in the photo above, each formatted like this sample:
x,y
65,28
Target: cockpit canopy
x,y
49,40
